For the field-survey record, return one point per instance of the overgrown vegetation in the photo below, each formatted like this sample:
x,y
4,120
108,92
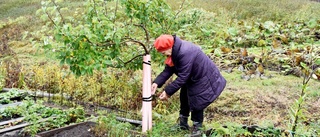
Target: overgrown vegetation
x,y
34,113
298,109
255,42
11,96
107,125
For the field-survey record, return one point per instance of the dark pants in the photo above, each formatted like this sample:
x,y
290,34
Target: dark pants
x,y
196,115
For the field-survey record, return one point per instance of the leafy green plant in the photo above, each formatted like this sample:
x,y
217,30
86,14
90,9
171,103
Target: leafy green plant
x,y
297,111
269,131
234,129
75,115
231,129
8,97
108,34
35,114
34,126
11,112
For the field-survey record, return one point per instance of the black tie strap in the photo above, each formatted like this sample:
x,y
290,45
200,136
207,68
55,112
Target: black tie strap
x,y
148,63
147,99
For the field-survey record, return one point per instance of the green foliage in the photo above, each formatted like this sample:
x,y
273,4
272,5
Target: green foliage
x,y
36,112
105,34
317,62
101,88
234,129
154,15
165,128
78,40
231,129
298,110
7,97
16,8
285,10
11,112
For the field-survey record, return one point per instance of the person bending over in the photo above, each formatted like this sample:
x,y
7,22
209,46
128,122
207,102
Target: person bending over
x,y
198,78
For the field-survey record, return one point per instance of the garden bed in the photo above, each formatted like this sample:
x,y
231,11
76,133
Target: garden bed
x,y
9,96
10,105
13,123
252,130
13,126
83,129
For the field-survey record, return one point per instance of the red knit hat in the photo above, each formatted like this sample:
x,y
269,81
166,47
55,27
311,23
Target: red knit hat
x,y
164,42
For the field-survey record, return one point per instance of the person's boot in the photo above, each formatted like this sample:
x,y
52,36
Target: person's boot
x,y
182,123
196,129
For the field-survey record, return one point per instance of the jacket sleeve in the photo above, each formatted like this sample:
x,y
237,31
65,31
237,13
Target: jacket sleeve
x,y
184,70
164,76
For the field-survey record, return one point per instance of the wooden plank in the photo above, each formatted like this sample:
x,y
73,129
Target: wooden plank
x,y
11,121
135,122
14,128
52,132
19,126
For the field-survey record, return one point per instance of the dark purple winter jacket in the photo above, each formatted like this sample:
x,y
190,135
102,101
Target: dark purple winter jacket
x,y
196,71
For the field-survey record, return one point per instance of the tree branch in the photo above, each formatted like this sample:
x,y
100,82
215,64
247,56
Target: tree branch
x,y
145,31
115,11
307,78
50,18
140,55
95,10
55,4
179,11
140,43
147,37
105,8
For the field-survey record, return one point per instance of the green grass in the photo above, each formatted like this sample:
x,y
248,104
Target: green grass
x,y
262,102
23,26
257,9
16,8
265,105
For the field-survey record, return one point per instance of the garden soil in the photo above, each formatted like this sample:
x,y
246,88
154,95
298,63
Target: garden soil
x,y
80,130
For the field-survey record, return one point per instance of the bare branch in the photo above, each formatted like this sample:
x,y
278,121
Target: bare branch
x,y
105,8
147,36
307,78
145,31
313,71
140,43
115,11
50,18
58,8
140,55
114,20
95,9
150,48
180,9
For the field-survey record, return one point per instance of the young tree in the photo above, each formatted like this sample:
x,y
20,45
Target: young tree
x,y
110,33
